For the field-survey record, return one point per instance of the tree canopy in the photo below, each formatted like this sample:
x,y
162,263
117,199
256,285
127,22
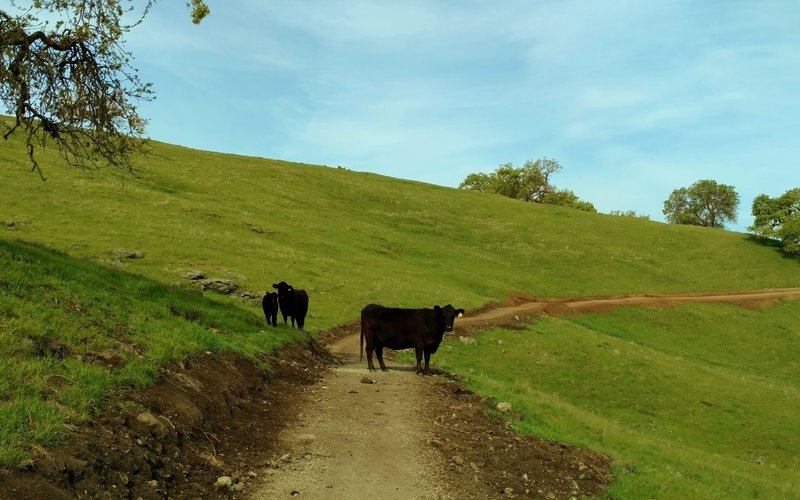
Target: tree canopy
x,y
779,218
704,203
68,81
531,183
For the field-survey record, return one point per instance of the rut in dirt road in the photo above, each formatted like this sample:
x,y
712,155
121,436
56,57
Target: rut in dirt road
x,y
398,435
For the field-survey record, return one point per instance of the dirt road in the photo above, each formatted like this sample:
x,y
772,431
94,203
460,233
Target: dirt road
x,y
520,307
360,440
393,434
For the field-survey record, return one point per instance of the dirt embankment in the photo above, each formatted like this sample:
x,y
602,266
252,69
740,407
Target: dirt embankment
x,y
312,427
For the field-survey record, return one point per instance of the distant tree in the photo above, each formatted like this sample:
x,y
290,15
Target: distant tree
x,y
511,182
531,183
629,213
537,178
778,218
704,203
478,182
568,199
67,79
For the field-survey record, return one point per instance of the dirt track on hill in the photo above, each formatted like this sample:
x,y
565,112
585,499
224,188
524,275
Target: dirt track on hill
x,y
322,426
407,436
520,307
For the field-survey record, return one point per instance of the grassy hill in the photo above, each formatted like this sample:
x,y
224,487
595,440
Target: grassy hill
x,y
699,401
351,238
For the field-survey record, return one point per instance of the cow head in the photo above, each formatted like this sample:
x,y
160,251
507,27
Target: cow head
x,y
271,298
283,288
446,315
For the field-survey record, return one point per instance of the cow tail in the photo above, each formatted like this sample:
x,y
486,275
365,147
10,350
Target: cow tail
x,y
361,344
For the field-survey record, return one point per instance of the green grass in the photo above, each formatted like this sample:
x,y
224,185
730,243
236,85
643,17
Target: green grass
x,y
72,331
700,401
351,238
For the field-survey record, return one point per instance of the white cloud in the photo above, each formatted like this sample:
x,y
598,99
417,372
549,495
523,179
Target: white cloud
x,y
653,95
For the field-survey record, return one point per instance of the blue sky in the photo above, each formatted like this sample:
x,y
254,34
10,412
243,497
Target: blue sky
x,y
633,98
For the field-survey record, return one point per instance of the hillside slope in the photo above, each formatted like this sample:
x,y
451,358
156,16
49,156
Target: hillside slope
x,y
352,238
78,323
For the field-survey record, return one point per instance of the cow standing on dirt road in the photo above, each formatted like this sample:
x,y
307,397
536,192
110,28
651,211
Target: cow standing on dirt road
x,y
395,328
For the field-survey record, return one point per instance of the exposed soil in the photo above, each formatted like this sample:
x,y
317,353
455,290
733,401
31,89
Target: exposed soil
x,y
399,435
313,426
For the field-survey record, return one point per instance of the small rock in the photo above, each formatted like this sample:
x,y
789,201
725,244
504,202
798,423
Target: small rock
x,y
508,492
367,380
194,275
504,407
122,254
153,483
252,474
285,457
217,285
223,482
237,487
154,424
525,477
458,460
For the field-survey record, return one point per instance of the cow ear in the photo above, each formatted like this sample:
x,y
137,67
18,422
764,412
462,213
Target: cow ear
x,y
460,313
274,285
289,289
437,308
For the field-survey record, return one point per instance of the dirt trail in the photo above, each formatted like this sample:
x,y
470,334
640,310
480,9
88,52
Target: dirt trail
x,y
520,307
357,440
354,439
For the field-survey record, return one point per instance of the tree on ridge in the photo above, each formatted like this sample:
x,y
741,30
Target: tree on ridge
x,y
704,203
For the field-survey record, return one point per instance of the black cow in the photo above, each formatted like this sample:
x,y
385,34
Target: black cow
x,y
270,305
293,303
396,328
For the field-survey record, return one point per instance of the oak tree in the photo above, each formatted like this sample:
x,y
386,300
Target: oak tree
x,y
704,203
778,218
68,80
531,183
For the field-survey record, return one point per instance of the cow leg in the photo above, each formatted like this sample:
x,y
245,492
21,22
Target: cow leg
x,y
418,352
427,361
379,353
369,347
292,321
284,319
